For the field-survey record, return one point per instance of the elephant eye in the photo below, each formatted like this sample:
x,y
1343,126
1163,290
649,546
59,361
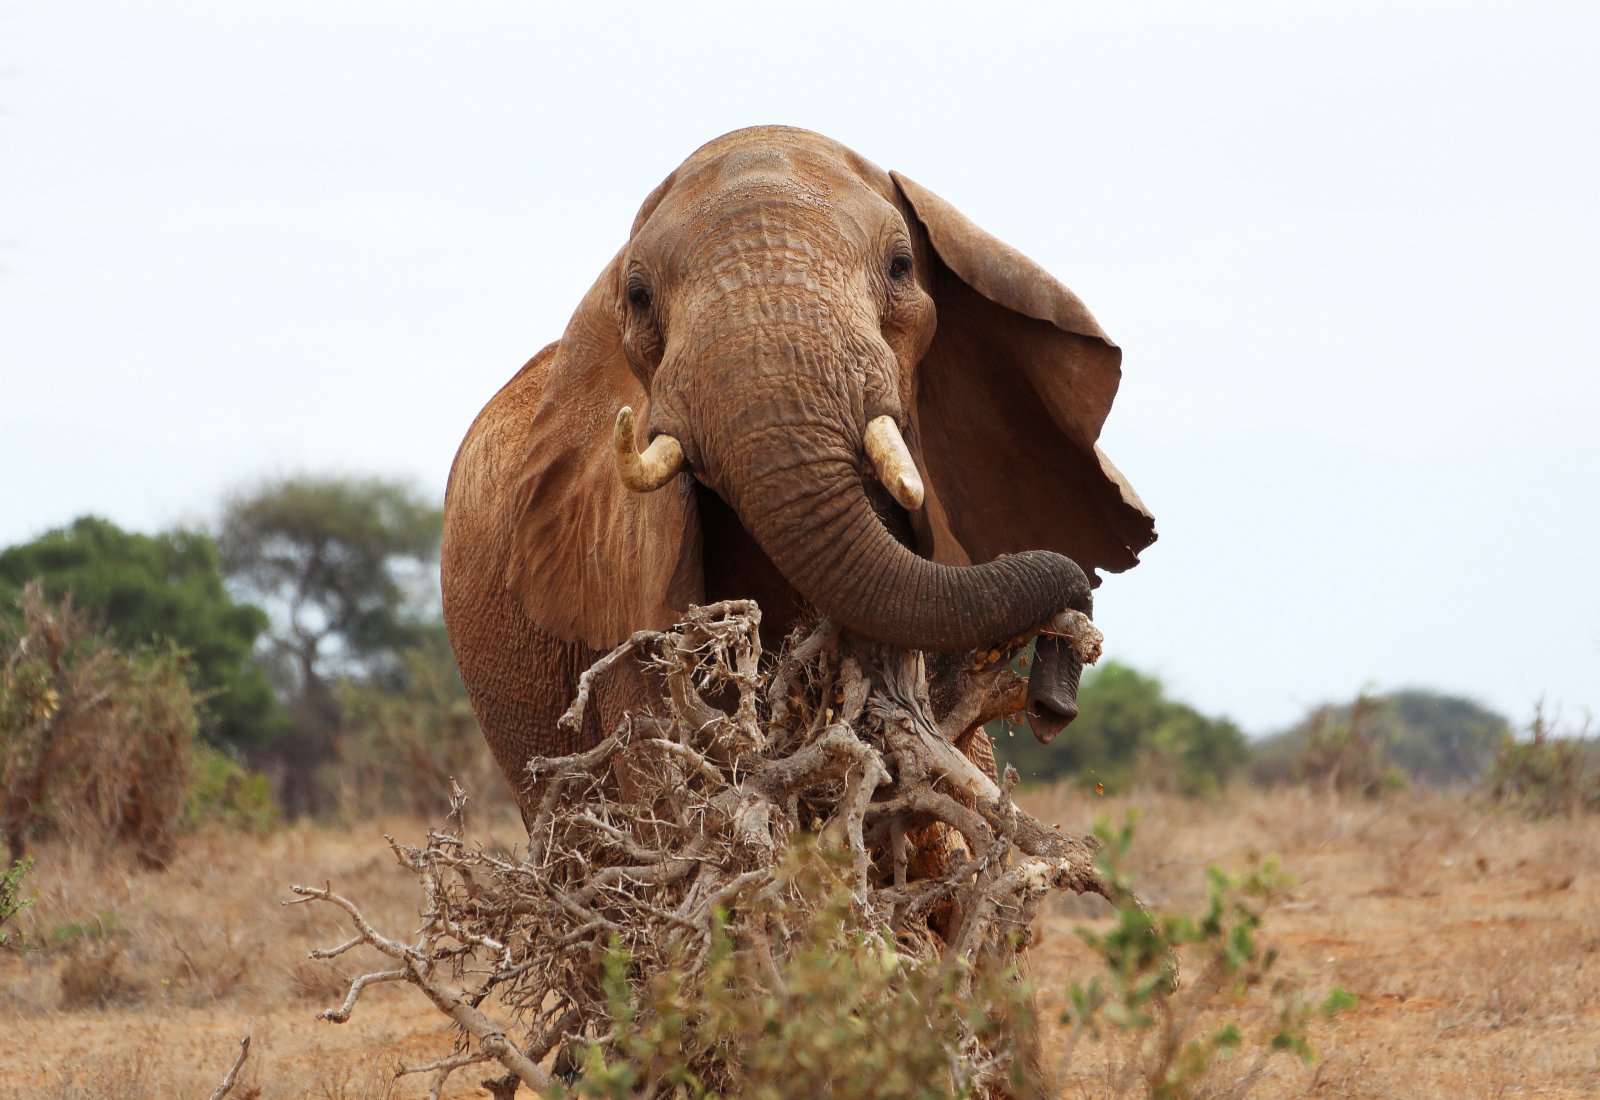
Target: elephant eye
x,y
639,295
900,267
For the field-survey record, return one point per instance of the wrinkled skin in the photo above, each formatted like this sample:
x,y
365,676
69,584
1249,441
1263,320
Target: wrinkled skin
x,y
776,294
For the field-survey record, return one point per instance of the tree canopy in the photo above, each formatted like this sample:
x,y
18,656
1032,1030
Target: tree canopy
x,y
157,589
347,569
1129,731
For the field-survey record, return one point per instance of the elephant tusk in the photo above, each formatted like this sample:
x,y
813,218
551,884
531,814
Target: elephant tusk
x,y
644,473
891,461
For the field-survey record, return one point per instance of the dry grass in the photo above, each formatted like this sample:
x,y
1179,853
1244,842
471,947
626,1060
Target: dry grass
x,y
1468,936
140,983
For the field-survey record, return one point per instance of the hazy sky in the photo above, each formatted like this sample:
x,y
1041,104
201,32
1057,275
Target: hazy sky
x,y
1351,251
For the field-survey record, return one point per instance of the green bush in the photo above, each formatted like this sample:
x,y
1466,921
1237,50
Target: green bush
x,y
224,792
159,590
843,1017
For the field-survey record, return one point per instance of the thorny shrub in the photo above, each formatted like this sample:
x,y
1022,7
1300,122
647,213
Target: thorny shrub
x,y
399,749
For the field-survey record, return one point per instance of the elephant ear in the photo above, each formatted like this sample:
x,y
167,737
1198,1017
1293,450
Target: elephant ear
x,y
590,560
1010,399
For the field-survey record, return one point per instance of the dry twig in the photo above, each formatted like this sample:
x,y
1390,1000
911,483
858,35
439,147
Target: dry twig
x,y
232,1076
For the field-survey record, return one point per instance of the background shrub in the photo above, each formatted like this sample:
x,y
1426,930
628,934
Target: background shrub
x,y
401,746
224,792
1546,775
159,590
1436,738
95,742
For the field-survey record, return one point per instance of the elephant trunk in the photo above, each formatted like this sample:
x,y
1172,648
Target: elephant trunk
x,y
1053,688
813,518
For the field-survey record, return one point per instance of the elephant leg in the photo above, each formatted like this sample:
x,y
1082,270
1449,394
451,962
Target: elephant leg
x,y
521,680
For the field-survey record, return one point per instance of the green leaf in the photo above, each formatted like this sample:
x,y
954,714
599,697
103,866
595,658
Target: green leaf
x,y
1337,1001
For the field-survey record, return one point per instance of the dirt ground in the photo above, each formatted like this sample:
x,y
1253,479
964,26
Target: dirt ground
x,y
1469,937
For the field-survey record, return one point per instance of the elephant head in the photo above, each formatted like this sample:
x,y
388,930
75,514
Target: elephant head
x,y
847,395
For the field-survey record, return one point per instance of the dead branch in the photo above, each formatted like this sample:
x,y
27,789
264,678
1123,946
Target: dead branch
x,y
231,1078
680,822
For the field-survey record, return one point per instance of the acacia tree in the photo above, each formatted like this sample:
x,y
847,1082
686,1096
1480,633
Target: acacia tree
x,y
346,568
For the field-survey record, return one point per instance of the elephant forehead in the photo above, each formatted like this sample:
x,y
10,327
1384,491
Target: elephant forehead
x,y
759,146
766,222
819,180
767,197
805,167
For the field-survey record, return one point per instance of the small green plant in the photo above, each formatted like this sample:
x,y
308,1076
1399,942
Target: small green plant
x,y
1138,999
1548,774
12,900
104,925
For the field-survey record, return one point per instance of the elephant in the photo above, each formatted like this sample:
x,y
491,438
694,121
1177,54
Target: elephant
x,y
852,401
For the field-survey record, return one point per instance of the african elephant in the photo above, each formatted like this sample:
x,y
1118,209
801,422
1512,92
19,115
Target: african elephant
x,y
853,400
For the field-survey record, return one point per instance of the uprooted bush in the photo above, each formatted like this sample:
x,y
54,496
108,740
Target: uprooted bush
x,y
664,853
94,741
804,890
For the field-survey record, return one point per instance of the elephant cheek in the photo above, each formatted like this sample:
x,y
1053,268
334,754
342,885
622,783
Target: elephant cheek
x,y
1052,688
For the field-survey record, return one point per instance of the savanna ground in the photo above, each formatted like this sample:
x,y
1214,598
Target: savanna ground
x,y
1468,935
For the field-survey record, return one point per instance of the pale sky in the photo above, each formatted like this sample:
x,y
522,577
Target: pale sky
x,y
1351,252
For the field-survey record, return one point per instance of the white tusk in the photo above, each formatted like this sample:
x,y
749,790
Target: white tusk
x,y
891,461
646,472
